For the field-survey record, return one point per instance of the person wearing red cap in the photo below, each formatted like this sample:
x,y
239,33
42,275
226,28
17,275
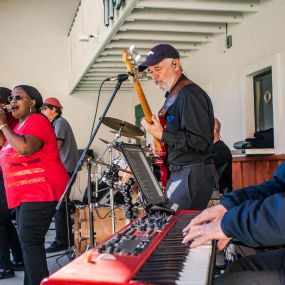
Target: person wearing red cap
x,y
69,155
188,134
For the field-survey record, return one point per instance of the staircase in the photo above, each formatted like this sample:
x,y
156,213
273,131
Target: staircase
x,y
102,29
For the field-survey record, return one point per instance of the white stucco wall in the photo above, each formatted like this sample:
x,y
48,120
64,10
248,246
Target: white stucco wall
x,y
219,71
258,37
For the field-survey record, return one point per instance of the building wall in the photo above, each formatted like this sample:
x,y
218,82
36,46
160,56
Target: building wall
x,y
220,71
257,38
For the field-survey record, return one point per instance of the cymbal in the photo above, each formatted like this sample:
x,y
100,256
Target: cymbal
x,y
127,129
107,142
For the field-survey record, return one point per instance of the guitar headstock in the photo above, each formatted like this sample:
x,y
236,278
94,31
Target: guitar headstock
x,y
131,58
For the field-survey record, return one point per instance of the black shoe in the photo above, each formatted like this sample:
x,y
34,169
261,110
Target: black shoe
x,y
54,247
18,266
6,273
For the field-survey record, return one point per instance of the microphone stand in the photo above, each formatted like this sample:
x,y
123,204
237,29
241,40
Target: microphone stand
x,y
111,191
90,205
80,161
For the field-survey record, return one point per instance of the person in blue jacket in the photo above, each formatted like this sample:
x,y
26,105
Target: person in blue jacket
x,y
255,216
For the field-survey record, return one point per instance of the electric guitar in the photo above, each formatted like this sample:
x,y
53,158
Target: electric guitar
x,y
131,63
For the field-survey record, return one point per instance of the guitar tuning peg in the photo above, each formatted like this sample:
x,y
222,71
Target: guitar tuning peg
x,y
137,58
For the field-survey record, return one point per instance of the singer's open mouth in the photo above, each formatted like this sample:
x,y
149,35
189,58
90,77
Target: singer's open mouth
x,y
14,107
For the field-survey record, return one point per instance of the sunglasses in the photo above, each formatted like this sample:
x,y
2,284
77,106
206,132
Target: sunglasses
x,y
43,108
17,98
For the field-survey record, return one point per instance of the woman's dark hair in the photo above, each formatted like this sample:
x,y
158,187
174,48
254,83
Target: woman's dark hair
x,y
4,94
33,93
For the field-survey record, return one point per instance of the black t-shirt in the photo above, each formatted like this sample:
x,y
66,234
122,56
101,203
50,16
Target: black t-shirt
x,y
223,155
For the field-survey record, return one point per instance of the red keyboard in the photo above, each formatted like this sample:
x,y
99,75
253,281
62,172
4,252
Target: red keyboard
x,y
147,251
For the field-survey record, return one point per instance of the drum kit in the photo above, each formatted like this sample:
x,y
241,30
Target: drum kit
x,y
112,187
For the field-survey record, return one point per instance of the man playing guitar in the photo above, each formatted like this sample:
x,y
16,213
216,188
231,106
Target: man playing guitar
x,y
188,131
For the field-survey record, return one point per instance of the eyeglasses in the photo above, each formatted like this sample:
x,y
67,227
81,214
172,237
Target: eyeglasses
x,y
43,108
17,98
46,106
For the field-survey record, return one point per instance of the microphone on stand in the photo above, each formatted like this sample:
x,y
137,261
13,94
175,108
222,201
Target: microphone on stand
x,y
125,76
121,77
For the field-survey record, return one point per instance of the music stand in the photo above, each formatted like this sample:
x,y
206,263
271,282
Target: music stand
x,y
155,199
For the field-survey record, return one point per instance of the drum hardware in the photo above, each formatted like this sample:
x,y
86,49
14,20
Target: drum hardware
x,y
109,143
111,177
124,128
114,173
129,139
109,165
90,205
97,177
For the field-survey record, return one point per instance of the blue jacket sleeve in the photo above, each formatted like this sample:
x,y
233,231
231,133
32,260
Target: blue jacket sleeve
x,y
258,192
257,222
255,214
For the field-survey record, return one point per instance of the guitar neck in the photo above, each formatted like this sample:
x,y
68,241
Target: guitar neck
x,y
146,109
145,106
128,59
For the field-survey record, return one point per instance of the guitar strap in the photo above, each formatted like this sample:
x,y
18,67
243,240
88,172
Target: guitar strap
x,y
172,96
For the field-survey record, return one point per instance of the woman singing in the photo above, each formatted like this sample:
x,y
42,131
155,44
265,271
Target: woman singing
x,y
33,174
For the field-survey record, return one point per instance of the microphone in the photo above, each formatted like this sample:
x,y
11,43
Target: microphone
x,y
8,107
125,76
121,77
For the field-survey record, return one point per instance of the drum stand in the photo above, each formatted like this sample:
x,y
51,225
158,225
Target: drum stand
x,y
112,204
90,204
110,179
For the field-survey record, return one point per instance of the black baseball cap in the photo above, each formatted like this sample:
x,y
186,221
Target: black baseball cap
x,y
157,54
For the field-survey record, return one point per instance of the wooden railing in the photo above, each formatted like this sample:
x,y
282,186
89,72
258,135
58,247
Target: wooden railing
x,y
253,170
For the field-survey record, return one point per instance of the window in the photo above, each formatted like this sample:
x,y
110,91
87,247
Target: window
x,y
263,101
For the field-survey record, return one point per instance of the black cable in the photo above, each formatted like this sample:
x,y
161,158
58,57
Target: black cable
x,y
98,99
108,213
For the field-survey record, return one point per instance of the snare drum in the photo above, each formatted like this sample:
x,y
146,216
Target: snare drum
x,y
102,225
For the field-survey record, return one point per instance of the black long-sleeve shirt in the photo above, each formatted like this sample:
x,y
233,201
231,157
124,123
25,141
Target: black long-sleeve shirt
x,y
189,126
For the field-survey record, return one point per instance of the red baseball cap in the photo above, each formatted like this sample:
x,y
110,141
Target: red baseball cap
x,y
52,101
